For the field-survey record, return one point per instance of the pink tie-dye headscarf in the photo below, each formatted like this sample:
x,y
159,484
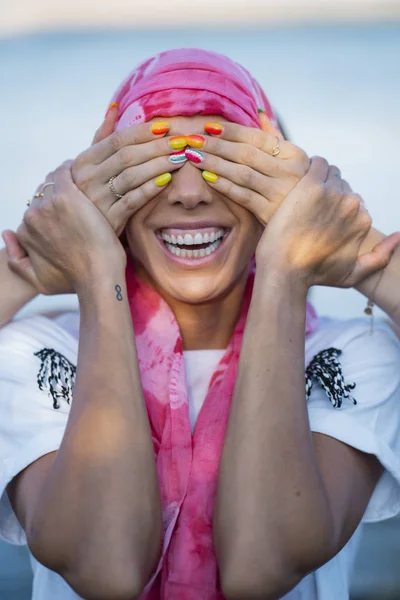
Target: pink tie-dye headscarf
x,y
186,82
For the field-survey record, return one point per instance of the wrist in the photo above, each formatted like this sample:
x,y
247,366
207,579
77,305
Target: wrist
x,y
99,283
282,278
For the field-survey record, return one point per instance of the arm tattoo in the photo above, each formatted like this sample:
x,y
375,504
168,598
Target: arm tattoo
x,y
118,289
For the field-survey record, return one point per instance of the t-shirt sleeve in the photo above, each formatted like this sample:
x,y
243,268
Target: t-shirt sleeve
x,y
372,424
37,359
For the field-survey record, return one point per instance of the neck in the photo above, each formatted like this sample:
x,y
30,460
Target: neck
x,y
206,326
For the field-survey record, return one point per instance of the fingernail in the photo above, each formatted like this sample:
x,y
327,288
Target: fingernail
x,y
210,177
112,105
178,157
163,179
159,127
194,155
213,128
260,110
195,141
178,142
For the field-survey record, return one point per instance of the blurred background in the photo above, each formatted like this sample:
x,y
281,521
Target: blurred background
x,y
330,67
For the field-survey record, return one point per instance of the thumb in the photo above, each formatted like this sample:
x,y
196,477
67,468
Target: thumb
x,y
268,127
18,260
108,125
15,250
377,259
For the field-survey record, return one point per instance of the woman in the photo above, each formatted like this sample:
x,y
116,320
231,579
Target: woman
x,y
156,481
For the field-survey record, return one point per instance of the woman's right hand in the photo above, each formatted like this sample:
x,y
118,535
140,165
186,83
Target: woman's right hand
x,y
137,156
64,230
140,160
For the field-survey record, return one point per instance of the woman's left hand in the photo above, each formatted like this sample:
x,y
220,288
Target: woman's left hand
x,y
247,171
316,234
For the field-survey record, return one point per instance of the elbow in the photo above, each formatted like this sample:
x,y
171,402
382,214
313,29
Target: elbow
x,y
113,586
247,584
97,579
249,578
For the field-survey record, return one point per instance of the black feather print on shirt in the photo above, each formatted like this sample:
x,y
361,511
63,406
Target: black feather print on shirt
x,y
326,370
56,375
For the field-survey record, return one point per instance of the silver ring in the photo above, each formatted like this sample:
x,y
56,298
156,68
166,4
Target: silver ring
x,y
47,185
111,186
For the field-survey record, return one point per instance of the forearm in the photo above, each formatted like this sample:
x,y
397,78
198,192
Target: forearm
x,y
270,490
384,286
15,292
99,510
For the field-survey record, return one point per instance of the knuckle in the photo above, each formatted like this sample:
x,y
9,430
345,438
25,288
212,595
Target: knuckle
x,y
351,204
335,171
301,161
117,140
127,179
319,190
245,175
365,220
256,138
247,154
125,157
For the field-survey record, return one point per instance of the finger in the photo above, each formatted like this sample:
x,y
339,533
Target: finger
x,y
132,156
245,154
241,175
134,177
256,137
15,250
377,259
317,173
244,196
267,126
137,134
23,268
122,211
108,125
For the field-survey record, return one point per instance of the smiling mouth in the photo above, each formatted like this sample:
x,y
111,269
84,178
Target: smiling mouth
x,y
193,243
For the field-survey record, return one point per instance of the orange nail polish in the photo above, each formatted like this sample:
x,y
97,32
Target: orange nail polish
x,y
112,105
178,142
159,127
195,141
213,128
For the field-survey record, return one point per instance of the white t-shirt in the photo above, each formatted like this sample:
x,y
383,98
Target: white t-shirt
x,y
30,426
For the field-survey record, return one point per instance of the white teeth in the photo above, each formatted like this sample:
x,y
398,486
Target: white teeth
x,y
189,240
194,253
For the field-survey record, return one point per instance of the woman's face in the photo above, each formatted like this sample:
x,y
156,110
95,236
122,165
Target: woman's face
x,y
190,206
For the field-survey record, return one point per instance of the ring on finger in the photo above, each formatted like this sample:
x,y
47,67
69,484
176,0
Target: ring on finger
x,y
276,149
47,185
111,186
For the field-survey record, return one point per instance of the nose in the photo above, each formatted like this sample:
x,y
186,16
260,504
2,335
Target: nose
x,y
188,188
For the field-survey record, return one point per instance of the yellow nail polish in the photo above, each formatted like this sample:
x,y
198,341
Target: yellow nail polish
x,y
159,127
210,177
178,142
163,179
